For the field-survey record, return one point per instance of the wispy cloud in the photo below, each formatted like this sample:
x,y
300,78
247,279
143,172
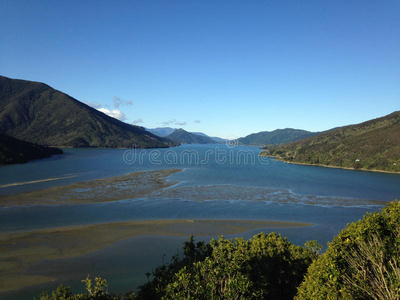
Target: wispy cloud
x,y
93,104
197,121
137,121
115,113
118,101
173,122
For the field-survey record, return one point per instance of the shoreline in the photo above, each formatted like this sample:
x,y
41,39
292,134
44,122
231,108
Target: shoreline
x,y
20,250
328,166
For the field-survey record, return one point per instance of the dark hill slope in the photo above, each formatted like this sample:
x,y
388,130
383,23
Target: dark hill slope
x,y
183,137
14,151
35,112
276,137
372,145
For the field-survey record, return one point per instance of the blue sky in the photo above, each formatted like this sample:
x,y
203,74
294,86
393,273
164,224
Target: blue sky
x,y
226,68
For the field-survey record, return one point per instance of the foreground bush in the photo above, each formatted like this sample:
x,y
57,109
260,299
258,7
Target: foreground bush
x,y
94,292
362,262
265,267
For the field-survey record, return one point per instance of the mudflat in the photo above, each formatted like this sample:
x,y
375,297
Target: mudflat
x,y
134,185
20,250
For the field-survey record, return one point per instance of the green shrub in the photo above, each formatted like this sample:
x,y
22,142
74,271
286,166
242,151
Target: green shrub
x,y
95,292
265,267
362,262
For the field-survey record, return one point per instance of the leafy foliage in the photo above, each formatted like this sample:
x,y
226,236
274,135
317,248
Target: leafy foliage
x,y
265,267
165,274
362,262
380,277
372,145
95,292
35,112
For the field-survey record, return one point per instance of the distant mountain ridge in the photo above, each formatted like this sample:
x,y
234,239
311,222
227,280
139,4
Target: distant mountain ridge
x,y
183,137
164,131
216,139
35,112
276,137
14,151
371,145
161,131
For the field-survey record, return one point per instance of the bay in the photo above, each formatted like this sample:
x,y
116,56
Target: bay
x,y
216,182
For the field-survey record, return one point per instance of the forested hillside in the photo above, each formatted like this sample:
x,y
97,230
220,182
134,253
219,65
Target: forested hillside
x,y
34,112
372,145
14,151
276,137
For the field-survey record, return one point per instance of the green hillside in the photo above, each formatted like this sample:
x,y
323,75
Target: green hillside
x,y
372,145
35,112
14,151
183,137
276,137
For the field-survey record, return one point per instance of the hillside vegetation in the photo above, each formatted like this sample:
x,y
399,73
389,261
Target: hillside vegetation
x,y
362,262
35,112
276,137
372,145
183,137
14,151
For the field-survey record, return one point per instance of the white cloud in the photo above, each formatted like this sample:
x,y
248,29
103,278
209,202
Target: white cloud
x,y
137,121
173,122
197,121
115,113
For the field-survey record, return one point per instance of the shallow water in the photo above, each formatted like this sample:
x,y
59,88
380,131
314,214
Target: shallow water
x,y
217,182
203,165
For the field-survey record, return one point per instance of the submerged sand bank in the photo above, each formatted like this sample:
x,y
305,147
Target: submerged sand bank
x,y
134,185
20,250
147,184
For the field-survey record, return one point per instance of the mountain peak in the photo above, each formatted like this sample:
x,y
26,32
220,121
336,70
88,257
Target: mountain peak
x,y
275,137
183,137
35,112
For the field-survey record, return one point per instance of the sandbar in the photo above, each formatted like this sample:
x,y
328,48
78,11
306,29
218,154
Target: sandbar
x,y
20,250
154,184
134,185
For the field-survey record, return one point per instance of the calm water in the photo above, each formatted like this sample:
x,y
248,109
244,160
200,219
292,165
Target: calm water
x,y
217,181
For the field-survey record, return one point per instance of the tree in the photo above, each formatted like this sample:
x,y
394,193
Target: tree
x,y
362,262
265,267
